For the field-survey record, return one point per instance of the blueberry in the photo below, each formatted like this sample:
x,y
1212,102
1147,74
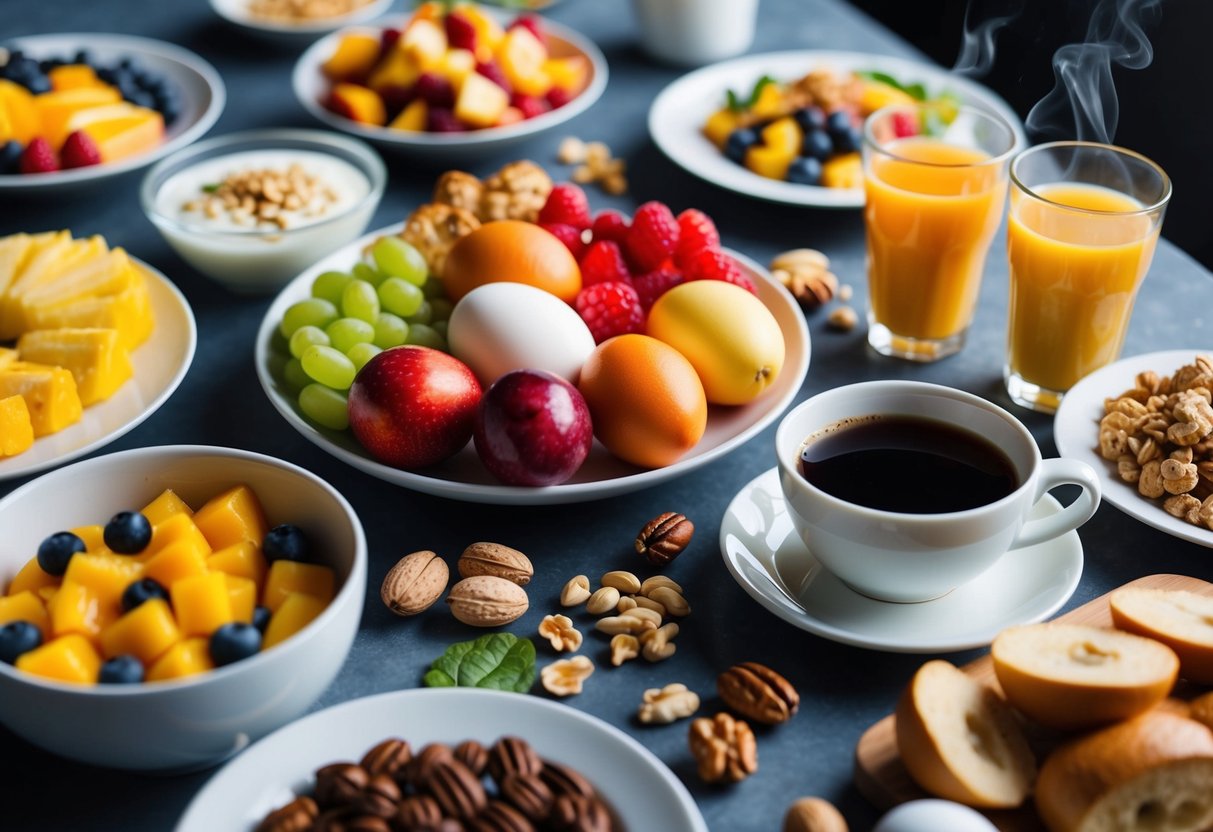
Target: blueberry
x,y
155,85
805,170
810,118
50,63
285,542
141,98
107,75
739,142
121,670
83,56
838,121
57,550
127,533
817,144
848,142
169,108
234,641
36,84
261,618
142,590
10,156
17,637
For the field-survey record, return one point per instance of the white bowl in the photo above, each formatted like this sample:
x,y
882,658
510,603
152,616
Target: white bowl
x,y
311,87
237,12
197,721
199,85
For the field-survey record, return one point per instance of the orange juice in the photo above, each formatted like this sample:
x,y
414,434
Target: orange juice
x,y
931,211
1074,276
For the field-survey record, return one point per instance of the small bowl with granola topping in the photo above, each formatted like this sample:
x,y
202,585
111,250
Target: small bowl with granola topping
x,y
297,20
251,210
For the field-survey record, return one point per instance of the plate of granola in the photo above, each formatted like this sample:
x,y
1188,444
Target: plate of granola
x,y
1132,418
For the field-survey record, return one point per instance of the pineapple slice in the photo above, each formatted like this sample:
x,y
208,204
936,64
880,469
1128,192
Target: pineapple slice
x,y
43,267
13,251
108,274
49,393
128,311
96,358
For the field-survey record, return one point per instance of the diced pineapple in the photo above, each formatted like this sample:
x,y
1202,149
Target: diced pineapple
x,y
457,65
425,42
569,74
16,429
96,358
353,58
395,73
876,94
480,102
49,393
107,274
7,356
13,251
522,59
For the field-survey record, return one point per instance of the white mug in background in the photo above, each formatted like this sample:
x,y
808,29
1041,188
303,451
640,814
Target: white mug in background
x,y
903,557
694,32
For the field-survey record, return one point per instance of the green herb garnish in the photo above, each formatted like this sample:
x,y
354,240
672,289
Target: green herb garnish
x,y
916,91
210,189
500,661
738,104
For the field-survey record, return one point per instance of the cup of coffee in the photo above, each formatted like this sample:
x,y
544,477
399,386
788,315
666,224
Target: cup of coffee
x,y
906,490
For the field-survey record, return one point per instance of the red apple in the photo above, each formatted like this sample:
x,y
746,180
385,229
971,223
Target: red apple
x,y
413,406
532,428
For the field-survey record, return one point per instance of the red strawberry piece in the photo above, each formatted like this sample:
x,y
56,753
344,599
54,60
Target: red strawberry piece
x,y
695,231
609,309
387,41
652,238
652,285
610,225
904,125
460,33
440,120
530,105
38,157
566,204
567,234
79,151
709,264
494,73
558,97
529,21
603,263
435,90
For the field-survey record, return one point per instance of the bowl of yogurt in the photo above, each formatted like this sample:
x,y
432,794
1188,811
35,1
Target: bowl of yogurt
x,y
253,209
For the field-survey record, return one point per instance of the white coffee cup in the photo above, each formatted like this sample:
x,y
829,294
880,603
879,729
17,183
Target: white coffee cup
x,y
903,557
694,32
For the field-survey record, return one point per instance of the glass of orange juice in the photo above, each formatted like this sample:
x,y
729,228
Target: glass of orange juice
x,y
1083,223
935,183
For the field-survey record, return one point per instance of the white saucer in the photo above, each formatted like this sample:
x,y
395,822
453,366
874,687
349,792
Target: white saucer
x,y
766,556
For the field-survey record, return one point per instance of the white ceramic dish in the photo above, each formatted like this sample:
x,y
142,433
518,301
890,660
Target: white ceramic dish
x,y
463,477
199,85
160,363
311,87
678,113
197,721
642,791
1076,431
766,557
237,12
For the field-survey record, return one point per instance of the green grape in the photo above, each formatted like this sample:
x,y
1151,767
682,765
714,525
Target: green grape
x,y
359,300
305,336
390,330
439,327
310,312
397,258
346,332
325,407
329,286
440,308
423,315
400,297
426,336
294,376
433,288
367,272
328,366
362,353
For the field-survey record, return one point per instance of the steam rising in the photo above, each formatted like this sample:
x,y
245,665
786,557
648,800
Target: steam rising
x,y
976,56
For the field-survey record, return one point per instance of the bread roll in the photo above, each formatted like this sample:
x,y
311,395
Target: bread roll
x,y
959,740
1071,677
1179,619
1152,773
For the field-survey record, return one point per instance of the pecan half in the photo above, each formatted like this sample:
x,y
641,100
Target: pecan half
x,y
758,693
664,537
458,791
296,816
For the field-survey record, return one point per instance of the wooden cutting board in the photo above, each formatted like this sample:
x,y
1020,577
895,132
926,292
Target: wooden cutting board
x,y
884,781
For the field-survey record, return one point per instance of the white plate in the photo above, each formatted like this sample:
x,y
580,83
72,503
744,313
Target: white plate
x,y
198,84
311,86
237,12
678,113
464,478
1076,431
642,791
766,556
160,363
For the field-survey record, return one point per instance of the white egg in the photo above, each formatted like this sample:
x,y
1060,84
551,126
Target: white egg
x,y
934,816
500,327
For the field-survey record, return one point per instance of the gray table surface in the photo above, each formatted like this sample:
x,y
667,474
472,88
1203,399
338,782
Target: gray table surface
x,y
844,689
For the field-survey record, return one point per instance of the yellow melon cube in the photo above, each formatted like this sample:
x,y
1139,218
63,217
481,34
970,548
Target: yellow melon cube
x,y
288,576
69,658
77,609
49,393
31,577
26,606
201,603
231,517
165,506
240,560
242,594
105,575
411,117
16,427
295,612
176,561
177,528
93,537
185,658
146,632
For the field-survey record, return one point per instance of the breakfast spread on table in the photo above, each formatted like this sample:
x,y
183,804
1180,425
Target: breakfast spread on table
x,y
506,342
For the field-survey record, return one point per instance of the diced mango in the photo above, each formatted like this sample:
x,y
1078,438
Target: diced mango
x,y
231,517
47,594
489,32
201,603
242,594
569,74
26,606
176,561
395,74
358,103
411,117
105,575
771,102
353,58
49,393
55,108
876,95
177,528
510,115
73,76
287,577
16,428
93,537
720,125
69,658
240,560
480,102
165,506
124,136
146,632
844,171
77,609
768,162
31,577
457,65
522,59
296,611
96,358
783,135
185,658
17,103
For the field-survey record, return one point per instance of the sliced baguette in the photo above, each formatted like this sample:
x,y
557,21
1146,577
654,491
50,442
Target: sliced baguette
x,y
1179,619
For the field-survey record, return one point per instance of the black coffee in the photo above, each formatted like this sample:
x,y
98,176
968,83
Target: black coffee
x,y
908,464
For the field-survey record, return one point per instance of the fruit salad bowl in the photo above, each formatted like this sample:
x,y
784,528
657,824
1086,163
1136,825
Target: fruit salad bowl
x,y
198,720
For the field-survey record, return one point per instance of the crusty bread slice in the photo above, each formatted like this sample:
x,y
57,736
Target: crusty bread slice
x,y
1152,773
959,740
1180,619
1073,676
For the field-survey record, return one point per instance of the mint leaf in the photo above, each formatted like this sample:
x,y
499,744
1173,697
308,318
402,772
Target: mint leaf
x,y
210,189
734,103
917,91
738,104
500,661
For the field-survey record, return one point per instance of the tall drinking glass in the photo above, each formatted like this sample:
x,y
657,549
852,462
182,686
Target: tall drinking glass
x,y
934,195
1083,223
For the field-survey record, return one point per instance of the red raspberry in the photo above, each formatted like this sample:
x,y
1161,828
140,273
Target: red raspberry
x,y
567,234
441,120
558,97
529,105
695,231
493,72
652,285
652,238
609,309
530,22
387,41
904,125
603,263
566,204
38,157
708,264
435,90
460,33
79,151
610,225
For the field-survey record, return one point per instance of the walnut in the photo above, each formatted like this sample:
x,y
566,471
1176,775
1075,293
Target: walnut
x,y
559,630
1204,514
434,227
516,192
824,88
460,190
1181,505
1114,435
1150,482
724,749
1128,468
1178,477
806,274
564,677
668,704
1193,418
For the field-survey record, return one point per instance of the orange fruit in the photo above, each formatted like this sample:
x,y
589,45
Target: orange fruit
x,y
646,401
511,251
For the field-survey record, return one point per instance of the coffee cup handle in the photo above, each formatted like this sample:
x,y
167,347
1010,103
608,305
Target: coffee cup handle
x,y
1055,472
